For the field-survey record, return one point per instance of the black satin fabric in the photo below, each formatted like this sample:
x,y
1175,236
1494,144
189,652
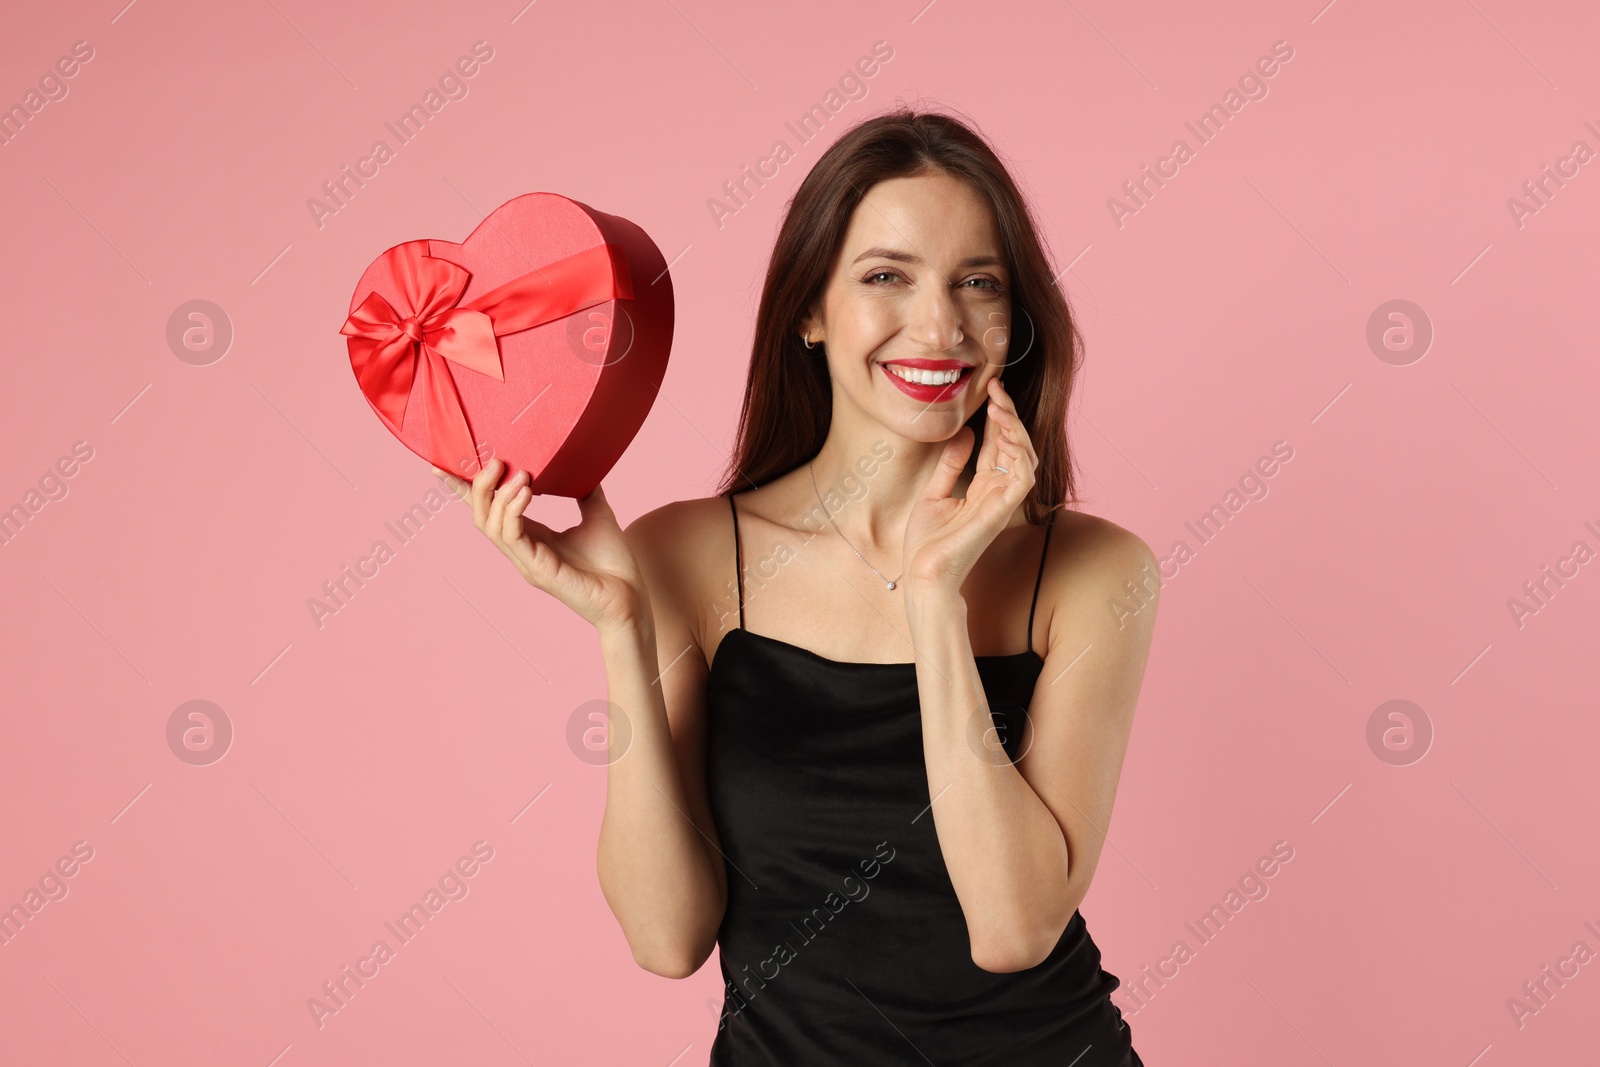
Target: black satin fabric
x,y
843,941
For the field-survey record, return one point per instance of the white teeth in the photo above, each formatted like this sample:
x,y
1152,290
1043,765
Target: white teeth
x,y
923,377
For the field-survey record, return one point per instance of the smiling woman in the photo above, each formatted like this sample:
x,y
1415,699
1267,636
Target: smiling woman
x,y
891,291
938,255
861,701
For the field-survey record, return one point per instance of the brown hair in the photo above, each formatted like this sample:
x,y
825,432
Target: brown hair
x,y
788,399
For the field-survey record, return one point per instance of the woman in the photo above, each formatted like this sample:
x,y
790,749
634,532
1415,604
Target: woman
x,y
877,717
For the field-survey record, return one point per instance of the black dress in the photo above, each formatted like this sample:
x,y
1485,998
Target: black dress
x,y
843,941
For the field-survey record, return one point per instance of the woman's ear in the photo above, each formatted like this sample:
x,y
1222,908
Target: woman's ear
x,y
811,328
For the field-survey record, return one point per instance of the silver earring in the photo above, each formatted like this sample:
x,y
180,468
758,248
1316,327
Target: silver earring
x,y
807,341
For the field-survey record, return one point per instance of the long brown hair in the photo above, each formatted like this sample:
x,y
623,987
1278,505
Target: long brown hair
x,y
788,398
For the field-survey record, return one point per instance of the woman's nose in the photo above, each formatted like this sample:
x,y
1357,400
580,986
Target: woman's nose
x,y
937,319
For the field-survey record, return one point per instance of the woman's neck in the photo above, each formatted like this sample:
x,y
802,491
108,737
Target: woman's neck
x,y
869,496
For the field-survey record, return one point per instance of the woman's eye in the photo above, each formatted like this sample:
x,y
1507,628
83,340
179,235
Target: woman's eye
x,y
885,277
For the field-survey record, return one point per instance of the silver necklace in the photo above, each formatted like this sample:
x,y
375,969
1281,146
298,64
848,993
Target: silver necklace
x,y
890,582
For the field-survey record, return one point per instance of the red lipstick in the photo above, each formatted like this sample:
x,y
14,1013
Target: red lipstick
x,y
930,394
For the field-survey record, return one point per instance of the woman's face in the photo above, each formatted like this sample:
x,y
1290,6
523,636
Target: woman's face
x,y
918,289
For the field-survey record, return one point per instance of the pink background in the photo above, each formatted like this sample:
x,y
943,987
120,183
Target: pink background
x,y
1229,313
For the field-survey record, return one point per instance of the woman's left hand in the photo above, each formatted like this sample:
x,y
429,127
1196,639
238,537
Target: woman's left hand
x,y
945,535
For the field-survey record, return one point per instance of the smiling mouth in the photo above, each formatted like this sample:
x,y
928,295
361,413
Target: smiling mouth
x,y
929,385
925,376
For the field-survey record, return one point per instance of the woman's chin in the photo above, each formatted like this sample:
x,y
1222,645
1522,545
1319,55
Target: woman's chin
x,y
931,426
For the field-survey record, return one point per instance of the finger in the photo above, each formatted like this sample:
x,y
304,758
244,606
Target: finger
x,y
1005,394
1003,399
1013,427
494,523
595,506
993,437
1015,435
511,520
1017,442
952,461
1009,416
482,487
1014,485
1019,468
1013,439
532,547
452,483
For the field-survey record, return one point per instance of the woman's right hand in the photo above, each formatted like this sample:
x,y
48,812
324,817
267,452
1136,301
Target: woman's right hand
x,y
590,567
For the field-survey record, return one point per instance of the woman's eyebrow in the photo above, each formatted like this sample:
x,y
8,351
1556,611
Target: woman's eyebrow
x,y
898,256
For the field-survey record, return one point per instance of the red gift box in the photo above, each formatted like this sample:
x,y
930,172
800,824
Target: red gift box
x,y
542,339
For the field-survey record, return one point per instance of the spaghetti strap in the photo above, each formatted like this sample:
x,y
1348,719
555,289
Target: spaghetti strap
x,y
1049,523
738,558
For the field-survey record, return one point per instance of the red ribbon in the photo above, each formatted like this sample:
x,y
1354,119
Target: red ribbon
x,y
393,348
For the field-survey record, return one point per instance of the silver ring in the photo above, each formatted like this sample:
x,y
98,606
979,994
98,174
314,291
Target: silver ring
x,y
1002,470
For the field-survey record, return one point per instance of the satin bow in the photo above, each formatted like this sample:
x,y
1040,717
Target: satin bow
x,y
393,349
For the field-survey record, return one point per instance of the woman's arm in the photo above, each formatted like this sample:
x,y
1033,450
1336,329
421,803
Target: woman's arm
x,y
660,866
1021,840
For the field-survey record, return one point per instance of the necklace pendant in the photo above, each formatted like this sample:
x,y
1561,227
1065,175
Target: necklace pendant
x,y
891,585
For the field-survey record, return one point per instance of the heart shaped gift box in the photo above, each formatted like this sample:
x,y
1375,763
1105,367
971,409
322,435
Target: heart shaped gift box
x,y
542,339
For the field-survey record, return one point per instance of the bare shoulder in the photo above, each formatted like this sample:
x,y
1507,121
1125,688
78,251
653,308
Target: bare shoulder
x,y
1095,542
684,548
1098,572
